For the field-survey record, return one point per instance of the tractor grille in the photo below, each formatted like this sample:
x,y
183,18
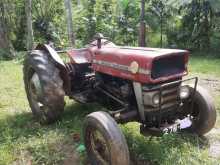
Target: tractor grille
x,y
168,66
169,98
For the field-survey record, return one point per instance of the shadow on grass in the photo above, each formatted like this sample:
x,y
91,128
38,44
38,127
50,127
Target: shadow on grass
x,y
48,144
144,150
23,124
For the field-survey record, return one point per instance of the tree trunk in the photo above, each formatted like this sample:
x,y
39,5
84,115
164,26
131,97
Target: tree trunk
x,y
3,37
142,30
6,47
30,38
68,7
78,2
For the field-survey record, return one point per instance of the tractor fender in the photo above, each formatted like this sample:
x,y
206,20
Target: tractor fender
x,y
54,55
60,64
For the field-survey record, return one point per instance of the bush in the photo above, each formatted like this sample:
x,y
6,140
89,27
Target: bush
x,y
5,54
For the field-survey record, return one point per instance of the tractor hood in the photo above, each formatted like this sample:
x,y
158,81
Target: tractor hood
x,y
146,65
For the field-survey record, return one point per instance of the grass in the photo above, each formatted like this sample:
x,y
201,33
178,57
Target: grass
x,y
23,141
205,65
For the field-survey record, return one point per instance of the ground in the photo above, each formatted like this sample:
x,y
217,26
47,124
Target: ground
x,y
25,142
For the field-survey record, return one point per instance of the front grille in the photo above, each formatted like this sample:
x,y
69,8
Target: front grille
x,y
168,66
169,98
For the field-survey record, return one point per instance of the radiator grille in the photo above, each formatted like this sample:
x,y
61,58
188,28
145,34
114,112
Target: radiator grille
x,y
169,98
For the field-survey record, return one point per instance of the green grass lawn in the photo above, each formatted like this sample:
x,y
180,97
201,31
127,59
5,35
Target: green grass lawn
x,y
23,141
205,65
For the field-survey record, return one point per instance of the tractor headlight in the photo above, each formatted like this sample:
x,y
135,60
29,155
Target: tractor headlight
x,y
156,99
184,92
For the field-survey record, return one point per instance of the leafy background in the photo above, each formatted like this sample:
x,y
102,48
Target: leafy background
x,y
188,24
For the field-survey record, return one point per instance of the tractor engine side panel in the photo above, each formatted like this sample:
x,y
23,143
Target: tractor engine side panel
x,y
140,65
119,66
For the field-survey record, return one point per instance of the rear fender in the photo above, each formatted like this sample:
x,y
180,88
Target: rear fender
x,y
80,56
54,55
59,63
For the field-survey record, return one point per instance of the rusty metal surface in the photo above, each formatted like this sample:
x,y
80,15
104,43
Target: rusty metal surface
x,y
79,56
116,61
52,53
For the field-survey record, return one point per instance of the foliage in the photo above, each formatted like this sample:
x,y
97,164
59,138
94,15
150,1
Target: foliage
x,y
117,20
13,12
4,54
195,26
49,21
188,24
197,23
90,20
163,13
128,21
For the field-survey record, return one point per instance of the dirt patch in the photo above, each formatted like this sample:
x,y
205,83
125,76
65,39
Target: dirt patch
x,y
214,150
72,158
212,84
214,143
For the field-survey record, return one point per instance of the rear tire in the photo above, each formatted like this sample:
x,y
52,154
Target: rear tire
x,y
203,113
44,87
104,141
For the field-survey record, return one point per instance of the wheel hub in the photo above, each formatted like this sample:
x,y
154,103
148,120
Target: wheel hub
x,y
99,147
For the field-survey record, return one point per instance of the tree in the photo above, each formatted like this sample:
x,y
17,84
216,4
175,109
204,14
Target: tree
x,y
3,31
142,30
30,36
128,20
4,41
90,20
6,46
49,22
161,10
68,7
197,24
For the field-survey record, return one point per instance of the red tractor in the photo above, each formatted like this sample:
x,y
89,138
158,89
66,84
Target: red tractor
x,y
145,85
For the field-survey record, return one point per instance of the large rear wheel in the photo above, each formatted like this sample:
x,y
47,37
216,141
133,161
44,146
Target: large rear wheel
x,y
104,141
44,87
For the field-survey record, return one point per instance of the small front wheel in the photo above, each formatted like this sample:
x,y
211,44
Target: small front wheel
x,y
203,113
104,141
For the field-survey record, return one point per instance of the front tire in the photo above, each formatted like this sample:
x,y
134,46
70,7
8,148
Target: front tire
x,y
44,87
104,141
203,113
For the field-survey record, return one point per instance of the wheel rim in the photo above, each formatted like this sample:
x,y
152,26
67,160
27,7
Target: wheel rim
x,y
99,147
35,90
